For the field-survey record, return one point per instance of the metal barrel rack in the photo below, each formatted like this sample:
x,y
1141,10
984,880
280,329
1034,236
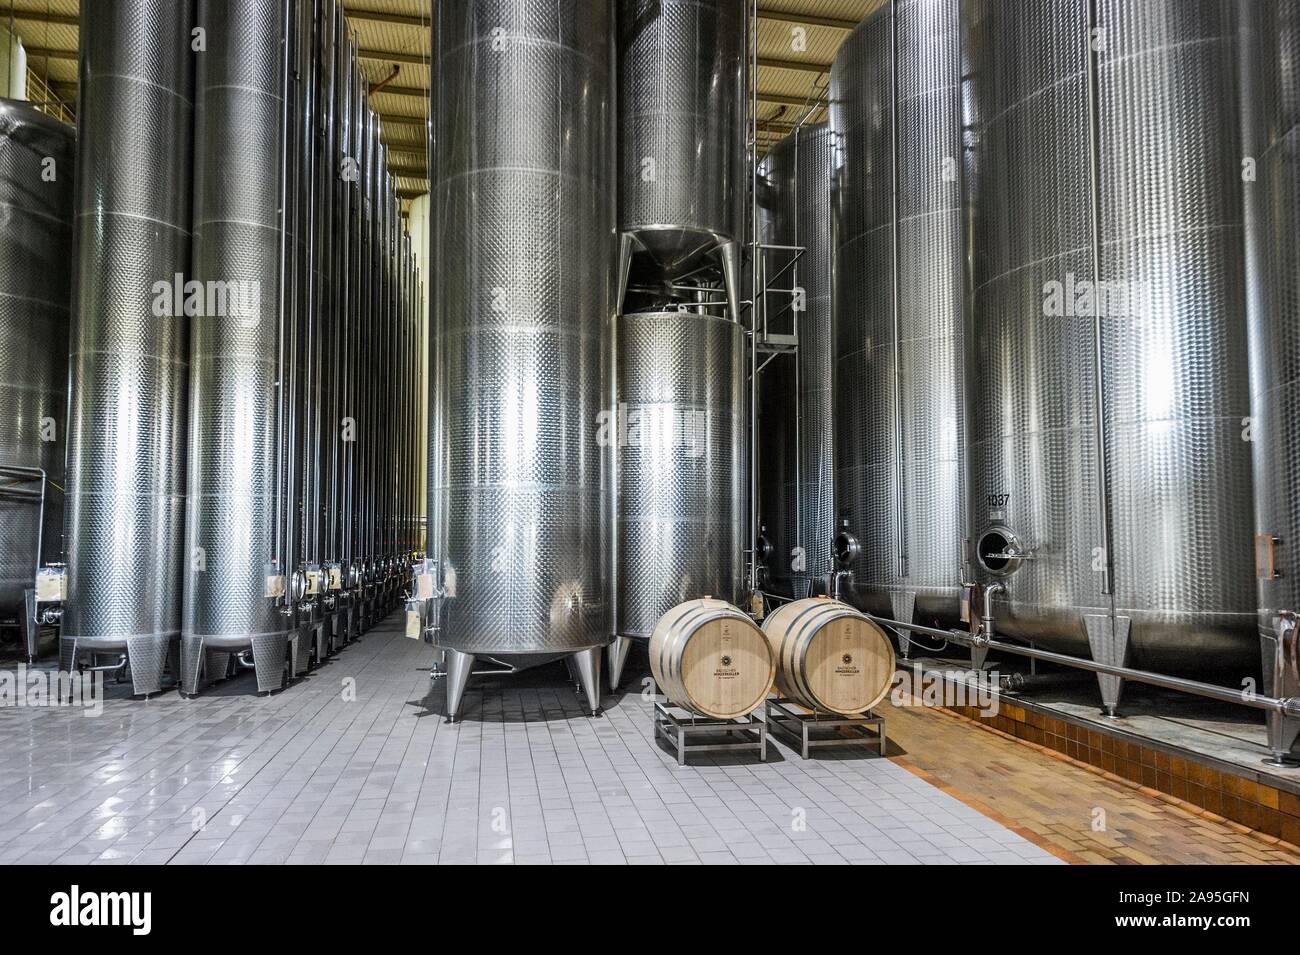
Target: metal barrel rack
x,y
804,728
677,726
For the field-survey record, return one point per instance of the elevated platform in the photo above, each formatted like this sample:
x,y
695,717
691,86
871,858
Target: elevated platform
x,y
1206,753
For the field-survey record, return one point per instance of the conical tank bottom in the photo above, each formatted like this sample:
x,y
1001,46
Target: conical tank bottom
x,y
676,251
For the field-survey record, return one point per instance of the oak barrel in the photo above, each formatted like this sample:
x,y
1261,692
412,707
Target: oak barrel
x,y
710,658
829,657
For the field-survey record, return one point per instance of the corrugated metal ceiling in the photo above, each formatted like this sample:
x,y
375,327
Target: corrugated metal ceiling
x,y
797,40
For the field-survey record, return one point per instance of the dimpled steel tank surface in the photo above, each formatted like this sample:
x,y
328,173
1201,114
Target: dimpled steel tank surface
x,y
797,498
1111,509
523,233
1271,105
681,114
233,436
899,393
681,465
35,296
126,429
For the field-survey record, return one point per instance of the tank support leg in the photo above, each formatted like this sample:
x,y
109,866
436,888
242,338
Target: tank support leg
x,y
299,653
191,664
31,629
217,666
617,658
903,605
147,657
1108,640
1280,680
458,666
587,663
269,661
67,654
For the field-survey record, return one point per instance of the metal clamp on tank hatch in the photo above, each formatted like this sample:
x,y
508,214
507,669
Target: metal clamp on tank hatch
x,y
847,549
294,590
1000,553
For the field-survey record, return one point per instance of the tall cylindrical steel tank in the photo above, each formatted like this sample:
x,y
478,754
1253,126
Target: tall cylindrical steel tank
x,y
126,434
681,465
523,244
1271,108
796,460
37,154
1110,495
241,241
899,393
681,115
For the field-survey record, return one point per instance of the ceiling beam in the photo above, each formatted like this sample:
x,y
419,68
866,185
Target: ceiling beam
x,y
39,16
378,16
404,91
803,65
72,20
782,99
388,56
392,119
408,20
808,19
764,13
45,53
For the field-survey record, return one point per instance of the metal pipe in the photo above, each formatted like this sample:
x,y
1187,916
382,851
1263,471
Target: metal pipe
x,y
1098,349
338,276
755,255
311,281
282,317
118,667
986,608
1288,706
352,188
900,496
798,362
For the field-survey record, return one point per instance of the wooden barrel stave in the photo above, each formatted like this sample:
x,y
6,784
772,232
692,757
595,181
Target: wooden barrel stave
x,y
807,635
711,659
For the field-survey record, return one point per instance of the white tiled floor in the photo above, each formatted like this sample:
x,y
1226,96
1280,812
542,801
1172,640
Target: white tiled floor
x,y
309,776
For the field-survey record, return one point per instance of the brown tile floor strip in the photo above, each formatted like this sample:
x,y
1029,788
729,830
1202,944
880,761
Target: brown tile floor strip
x,y
1054,801
1027,834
